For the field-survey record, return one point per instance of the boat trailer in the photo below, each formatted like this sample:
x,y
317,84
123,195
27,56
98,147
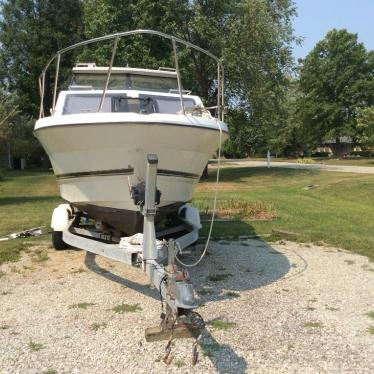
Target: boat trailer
x,y
157,259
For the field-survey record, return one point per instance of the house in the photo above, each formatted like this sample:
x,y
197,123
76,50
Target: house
x,y
344,146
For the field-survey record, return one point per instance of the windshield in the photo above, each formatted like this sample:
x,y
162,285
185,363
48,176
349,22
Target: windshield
x,y
146,104
126,82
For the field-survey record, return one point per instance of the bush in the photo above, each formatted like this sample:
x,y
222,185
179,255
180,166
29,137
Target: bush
x,y
229,150
305,161
320,154
367,153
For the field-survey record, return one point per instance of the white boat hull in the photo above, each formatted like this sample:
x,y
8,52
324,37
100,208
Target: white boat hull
x,y
98,157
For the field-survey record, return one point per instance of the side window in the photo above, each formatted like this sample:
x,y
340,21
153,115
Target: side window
x,y
172,105
75,104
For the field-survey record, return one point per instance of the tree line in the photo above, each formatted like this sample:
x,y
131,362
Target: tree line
x,y
272,102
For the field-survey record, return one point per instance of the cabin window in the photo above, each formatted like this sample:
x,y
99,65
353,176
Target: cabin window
x,y
125,82
172,105
84,103
145,104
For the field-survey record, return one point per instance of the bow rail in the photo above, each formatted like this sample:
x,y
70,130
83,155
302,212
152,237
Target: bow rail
x,y
174,41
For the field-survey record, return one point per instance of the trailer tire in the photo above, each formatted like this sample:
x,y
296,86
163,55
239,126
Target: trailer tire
x,y
57,241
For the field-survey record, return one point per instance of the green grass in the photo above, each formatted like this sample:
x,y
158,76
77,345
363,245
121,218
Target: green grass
x,y
35,346
349,262
27,199
339,212
350,161
313,324
218,277
371,330
79,271
332,309
205,291
232,294
81,306
126,308
98,325
370,314
179,363
219,324
39,256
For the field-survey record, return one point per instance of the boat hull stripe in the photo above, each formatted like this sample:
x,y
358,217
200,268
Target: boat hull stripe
x,y
95,173
130,171
172,173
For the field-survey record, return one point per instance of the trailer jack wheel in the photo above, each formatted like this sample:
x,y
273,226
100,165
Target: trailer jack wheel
x,y
57,241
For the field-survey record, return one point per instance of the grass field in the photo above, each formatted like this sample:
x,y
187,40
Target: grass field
x,y
350,162
27,199
337,209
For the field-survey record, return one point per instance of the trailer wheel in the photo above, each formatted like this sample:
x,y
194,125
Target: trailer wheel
x,y
57,241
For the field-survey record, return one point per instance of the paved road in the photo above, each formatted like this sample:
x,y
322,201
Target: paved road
x,y
291,165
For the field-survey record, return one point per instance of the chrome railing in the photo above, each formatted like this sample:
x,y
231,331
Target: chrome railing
x,y
174,40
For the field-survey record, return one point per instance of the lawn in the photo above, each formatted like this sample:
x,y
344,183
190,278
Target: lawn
x,y
27,199
337,209
349,161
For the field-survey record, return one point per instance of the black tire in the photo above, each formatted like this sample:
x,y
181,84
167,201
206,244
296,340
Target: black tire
x,y
58,243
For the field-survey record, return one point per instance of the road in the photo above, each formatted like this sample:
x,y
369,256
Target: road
x,y
291,165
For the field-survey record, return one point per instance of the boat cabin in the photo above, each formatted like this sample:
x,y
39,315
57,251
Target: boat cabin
x,y
135,90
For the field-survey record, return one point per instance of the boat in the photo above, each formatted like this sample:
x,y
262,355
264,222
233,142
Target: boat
x,y
107,120
128,145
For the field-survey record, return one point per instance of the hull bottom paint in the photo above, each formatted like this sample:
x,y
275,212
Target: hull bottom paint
x,y
126,221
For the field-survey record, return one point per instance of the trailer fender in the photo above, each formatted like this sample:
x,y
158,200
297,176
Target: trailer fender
x,y
60,217
190,215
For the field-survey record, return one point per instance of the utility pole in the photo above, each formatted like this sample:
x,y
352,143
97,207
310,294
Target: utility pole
x,y
268,159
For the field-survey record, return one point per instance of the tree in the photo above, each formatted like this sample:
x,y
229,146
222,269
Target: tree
x,y
8,111
31,31
258,57
365,126
253,37
16,130
336,78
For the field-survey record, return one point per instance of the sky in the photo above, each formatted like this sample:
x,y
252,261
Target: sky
x,y
316,17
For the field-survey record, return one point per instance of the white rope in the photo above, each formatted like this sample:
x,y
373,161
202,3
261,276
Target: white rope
x,y
214,209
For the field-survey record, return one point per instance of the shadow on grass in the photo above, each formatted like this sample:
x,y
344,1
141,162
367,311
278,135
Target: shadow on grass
x,y
15,200
230,267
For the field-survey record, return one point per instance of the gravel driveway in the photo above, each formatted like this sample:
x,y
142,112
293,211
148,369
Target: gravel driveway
x,y
282,308
293,165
